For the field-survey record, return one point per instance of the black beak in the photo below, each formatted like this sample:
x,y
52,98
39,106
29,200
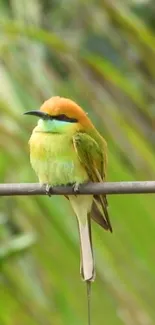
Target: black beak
x,y
38,114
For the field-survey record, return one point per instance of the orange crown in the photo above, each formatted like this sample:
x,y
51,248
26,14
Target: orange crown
x,y
59,105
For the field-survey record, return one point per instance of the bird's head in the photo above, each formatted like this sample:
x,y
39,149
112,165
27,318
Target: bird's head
x,y
59,114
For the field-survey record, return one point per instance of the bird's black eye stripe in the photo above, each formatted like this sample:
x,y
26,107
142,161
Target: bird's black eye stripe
x,y
64,118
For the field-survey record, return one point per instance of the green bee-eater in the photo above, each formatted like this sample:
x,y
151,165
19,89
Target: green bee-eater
x,y
66,148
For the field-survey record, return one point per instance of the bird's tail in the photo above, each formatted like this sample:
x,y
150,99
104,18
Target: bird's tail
x,y
87,260
81,206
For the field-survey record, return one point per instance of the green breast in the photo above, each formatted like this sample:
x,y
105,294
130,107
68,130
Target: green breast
x,y
54,159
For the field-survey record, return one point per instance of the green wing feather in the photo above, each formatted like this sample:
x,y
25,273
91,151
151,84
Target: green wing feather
x,y
92,155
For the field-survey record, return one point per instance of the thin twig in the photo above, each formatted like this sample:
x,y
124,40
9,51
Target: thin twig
x,y
89,188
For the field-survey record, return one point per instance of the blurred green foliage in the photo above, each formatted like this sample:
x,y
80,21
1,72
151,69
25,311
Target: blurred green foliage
x,y
101,54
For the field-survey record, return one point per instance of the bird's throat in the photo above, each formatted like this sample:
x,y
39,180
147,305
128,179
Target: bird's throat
x,y
53,126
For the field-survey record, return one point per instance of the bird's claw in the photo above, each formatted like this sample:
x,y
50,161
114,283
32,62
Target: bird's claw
x,y
48,190
76,188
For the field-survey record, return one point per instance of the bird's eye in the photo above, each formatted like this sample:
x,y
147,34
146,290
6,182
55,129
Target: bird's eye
x,y
64,118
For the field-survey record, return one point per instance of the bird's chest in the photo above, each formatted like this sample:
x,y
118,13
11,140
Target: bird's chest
x,y
54,159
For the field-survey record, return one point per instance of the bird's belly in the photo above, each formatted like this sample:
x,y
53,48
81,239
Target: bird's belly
x,y
56,172
55,160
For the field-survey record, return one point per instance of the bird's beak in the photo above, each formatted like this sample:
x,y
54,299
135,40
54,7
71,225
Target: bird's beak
x,y
38,114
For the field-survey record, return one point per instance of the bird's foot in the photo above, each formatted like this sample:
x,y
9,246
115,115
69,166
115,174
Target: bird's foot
x,y
48,190
76,187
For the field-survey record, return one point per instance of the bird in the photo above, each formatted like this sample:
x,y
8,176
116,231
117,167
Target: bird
x,y
66,148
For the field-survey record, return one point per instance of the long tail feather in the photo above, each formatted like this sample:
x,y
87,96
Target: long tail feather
x,y
87,260
82,207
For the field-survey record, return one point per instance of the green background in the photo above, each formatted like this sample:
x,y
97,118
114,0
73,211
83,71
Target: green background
x,y
102,55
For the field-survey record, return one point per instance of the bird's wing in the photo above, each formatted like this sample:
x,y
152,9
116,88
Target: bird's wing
x,y
93,157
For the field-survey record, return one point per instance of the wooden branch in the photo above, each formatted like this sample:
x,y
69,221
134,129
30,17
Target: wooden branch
x,y
89,188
